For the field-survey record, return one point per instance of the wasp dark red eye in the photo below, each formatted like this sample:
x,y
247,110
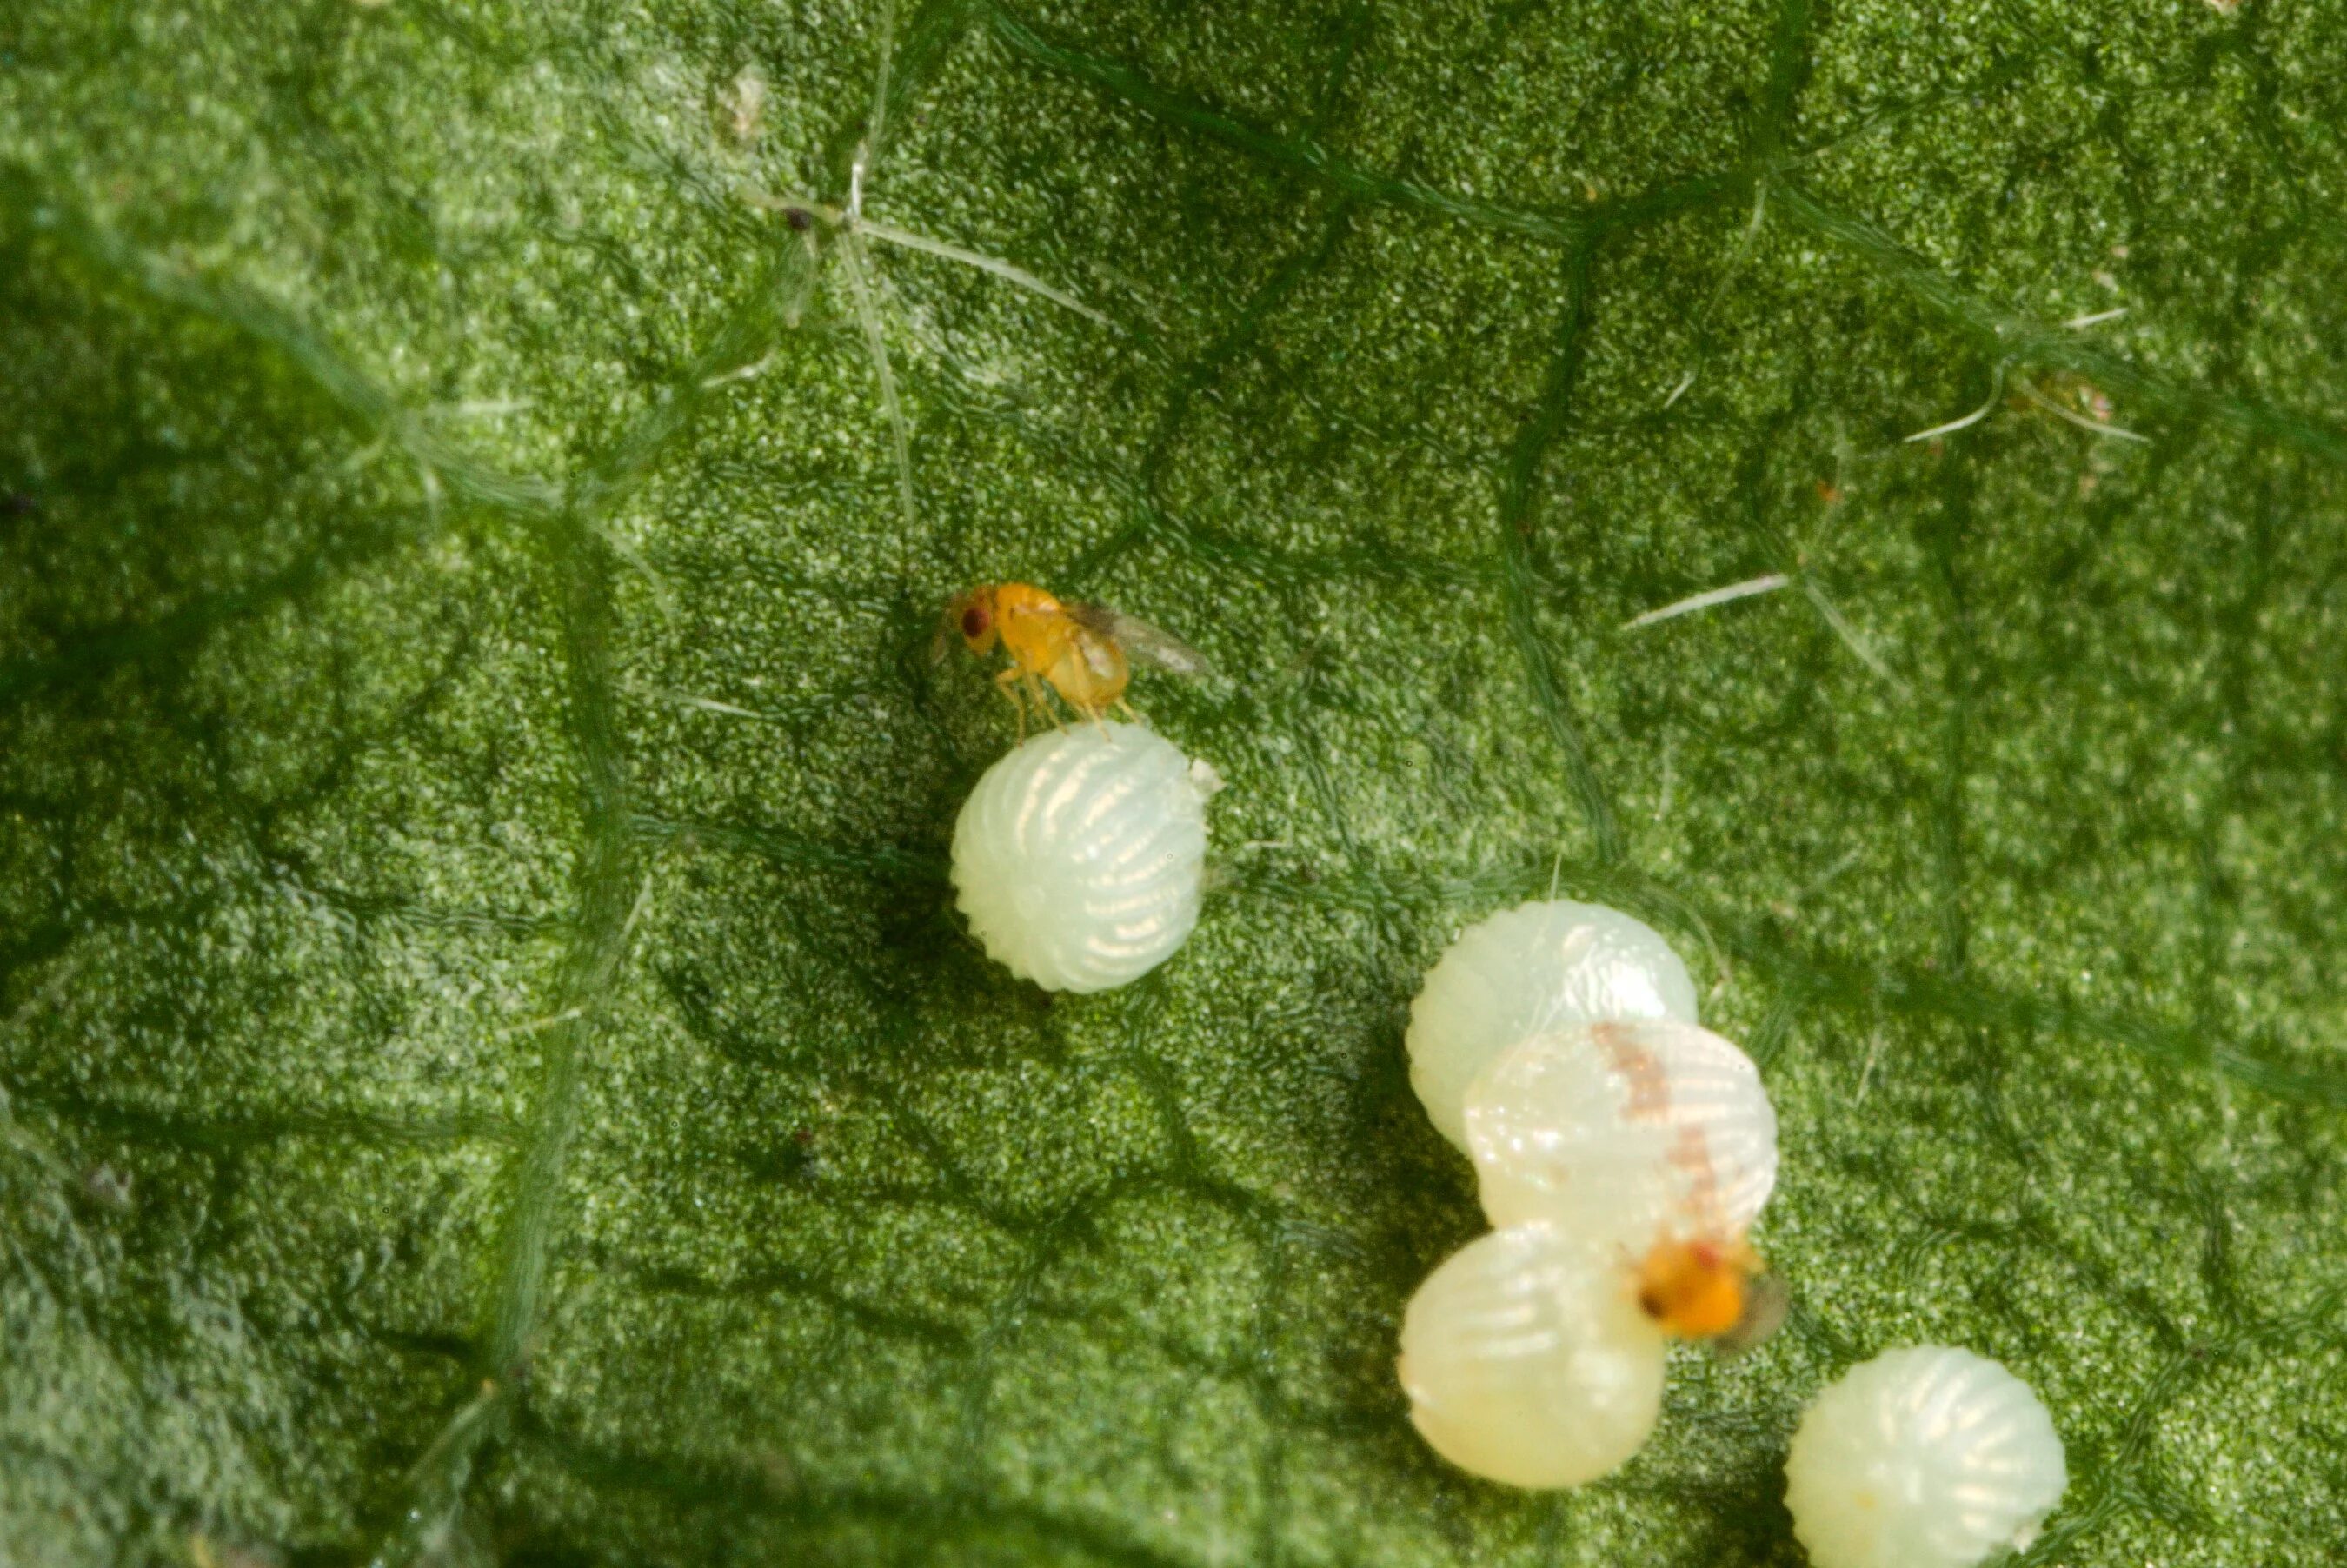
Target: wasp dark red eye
x,y
974,621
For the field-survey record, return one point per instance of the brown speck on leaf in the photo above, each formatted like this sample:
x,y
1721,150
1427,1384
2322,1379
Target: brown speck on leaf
x,y
108,1187
796,217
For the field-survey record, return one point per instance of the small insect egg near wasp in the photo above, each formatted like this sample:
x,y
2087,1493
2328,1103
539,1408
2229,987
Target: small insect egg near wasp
x,y
1539,966
1534,1355
1080,859
1528,1361
1630,1131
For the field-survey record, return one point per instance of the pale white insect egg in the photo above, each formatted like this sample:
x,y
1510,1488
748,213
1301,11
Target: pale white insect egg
x,y
1079,857
1523,972
1626,1132
1925,1457
1527,1361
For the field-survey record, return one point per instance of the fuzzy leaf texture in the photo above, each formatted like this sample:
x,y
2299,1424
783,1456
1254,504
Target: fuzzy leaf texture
x,y
493,1073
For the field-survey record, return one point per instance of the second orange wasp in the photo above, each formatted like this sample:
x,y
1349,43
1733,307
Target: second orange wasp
x,y
1086,652
1717,1291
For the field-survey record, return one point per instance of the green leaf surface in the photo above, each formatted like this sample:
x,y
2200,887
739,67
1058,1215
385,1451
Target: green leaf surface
x,y
493,1073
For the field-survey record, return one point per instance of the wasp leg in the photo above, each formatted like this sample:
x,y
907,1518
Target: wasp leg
x,y
1131,712
1006,684
1042,703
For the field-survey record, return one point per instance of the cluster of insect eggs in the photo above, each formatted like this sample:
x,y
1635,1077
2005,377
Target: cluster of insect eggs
x,y
1621,1150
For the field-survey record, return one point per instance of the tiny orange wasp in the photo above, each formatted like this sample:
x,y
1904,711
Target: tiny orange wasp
x,y
1709,1290
1085,651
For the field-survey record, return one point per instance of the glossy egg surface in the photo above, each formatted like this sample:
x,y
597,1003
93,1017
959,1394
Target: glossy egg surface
x,y
1527,1361
1079,858
1525,972
1627,1132
1930,1457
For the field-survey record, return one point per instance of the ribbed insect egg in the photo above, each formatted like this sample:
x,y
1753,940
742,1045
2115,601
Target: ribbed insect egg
x,y
1924,1458
1525,972
1079,857
1527,1359
1626,1132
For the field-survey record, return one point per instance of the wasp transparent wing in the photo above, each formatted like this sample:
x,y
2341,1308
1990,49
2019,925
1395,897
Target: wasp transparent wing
x,y
1143,643
1766,1302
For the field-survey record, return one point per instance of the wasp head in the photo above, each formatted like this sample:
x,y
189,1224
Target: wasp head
x,y
972,617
